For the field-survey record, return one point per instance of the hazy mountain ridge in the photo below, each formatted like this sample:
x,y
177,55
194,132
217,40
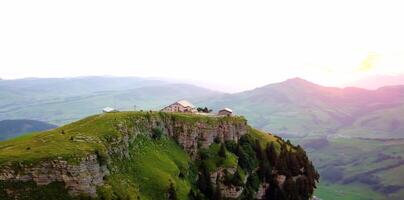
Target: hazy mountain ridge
x,y
75,98
77,85
378,81
293,107
318,109
14,128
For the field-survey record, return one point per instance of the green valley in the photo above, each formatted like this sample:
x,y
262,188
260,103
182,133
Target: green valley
x,y
357,167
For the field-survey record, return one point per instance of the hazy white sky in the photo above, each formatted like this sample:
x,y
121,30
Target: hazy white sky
x,y
239,44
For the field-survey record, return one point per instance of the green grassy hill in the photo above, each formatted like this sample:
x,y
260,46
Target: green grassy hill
x,y
153,155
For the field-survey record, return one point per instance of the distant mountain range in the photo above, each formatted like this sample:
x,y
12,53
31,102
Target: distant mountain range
x,y
295,107
14,128
63,100
375,82
299,108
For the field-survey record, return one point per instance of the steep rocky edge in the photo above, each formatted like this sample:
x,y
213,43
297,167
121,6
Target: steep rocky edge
x,y
154,155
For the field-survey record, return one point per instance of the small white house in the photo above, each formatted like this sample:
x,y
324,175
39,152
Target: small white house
x,y
109,110
226,112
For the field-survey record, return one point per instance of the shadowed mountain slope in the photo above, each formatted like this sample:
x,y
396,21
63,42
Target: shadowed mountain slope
x,y
298,107
14,128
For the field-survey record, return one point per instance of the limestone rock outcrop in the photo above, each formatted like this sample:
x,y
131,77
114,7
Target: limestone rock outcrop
x,y
81,178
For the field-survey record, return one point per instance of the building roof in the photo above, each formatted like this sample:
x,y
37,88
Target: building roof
x,y
227,109
185,103
108,109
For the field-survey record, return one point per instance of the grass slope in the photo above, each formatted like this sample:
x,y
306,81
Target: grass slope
x,y
154,164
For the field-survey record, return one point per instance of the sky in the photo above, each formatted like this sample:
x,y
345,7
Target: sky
x,y
234,45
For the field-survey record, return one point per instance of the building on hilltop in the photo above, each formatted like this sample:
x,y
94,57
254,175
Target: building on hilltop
x,y
109,110
226,112
180,106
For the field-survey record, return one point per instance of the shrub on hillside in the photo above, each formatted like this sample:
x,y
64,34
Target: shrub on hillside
x,y
157,133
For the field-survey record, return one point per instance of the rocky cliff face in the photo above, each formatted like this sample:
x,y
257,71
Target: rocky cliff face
x,y
81,178
202,135
190,135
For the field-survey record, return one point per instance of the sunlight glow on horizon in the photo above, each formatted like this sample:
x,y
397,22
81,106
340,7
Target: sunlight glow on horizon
x,y
232,44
